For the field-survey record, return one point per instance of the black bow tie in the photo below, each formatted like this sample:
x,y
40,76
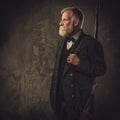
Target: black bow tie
x,y
70,39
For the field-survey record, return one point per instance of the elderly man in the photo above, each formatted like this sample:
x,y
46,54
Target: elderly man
x,y
79,59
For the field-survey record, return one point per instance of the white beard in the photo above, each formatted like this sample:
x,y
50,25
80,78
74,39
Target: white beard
x,y
65,32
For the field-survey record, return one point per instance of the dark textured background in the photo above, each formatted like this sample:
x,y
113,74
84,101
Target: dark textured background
x,y
28,38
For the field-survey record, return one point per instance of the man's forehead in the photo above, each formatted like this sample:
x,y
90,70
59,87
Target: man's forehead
x,y
67,13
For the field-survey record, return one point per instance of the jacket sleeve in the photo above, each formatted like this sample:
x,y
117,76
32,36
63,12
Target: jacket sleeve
x,y
92,61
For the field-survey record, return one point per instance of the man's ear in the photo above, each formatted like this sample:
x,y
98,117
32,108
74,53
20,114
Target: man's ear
x,y
76,22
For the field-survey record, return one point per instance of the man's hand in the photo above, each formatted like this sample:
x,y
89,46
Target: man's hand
x,y
73,59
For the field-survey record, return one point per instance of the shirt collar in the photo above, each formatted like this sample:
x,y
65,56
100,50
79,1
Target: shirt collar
x,y
76,36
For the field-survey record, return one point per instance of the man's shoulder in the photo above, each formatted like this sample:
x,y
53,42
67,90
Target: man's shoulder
x,y
88,38
91,41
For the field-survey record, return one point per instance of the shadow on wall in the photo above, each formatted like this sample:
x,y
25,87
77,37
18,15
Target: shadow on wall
x,y
108,113
28,38
5,115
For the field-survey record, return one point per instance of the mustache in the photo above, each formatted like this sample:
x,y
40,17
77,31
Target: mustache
x,y
62,28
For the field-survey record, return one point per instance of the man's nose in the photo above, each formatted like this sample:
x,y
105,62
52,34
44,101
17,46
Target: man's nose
x,y
61,23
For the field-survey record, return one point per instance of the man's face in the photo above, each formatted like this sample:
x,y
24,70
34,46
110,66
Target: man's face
x,y
66,24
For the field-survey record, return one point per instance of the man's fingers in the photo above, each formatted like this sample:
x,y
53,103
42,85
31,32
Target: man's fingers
x,y
70,58
73,59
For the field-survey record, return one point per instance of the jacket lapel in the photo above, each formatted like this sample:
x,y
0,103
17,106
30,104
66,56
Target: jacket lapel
x,y
67,65
60,47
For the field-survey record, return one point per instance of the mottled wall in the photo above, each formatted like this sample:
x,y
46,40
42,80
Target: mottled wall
x,y
28,38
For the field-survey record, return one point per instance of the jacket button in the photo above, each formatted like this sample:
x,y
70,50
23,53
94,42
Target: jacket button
x,y
70,74
72,95
71,85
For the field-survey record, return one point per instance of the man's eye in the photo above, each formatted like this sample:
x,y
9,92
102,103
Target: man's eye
x,y
65,20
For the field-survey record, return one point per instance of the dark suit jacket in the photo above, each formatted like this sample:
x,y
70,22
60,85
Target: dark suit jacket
x,y
81,77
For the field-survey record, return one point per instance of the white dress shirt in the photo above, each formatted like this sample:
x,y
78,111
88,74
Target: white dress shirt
x,y
75,37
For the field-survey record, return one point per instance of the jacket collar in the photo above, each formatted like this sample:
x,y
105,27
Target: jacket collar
x,y
67,66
